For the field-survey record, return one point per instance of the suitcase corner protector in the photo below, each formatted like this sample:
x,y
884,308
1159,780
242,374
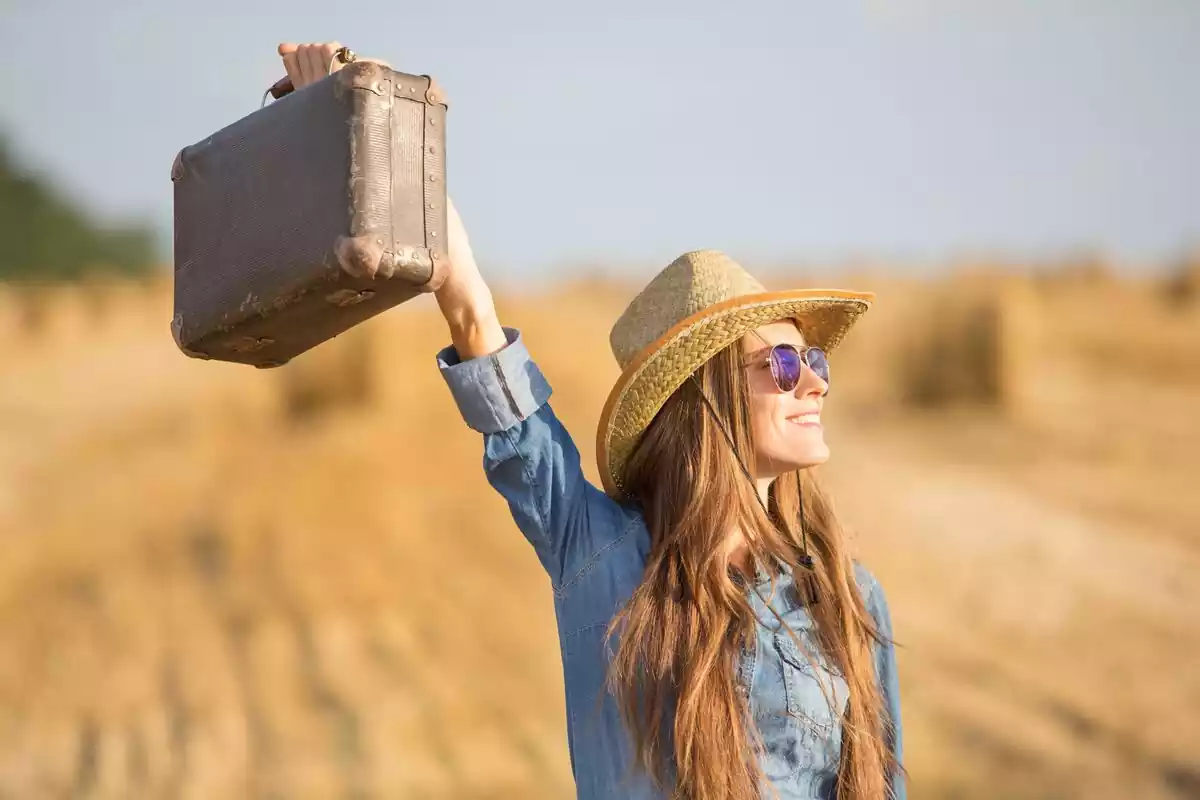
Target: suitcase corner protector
x,y
434,94
177,335
177,168
359,256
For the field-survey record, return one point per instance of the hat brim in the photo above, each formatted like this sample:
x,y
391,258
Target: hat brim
x,y
659,369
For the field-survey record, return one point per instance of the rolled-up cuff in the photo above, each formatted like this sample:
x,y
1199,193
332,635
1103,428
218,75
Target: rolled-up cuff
x,y
497,391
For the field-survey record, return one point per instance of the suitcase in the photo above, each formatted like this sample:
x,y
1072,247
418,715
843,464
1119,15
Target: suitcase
x,y
309,216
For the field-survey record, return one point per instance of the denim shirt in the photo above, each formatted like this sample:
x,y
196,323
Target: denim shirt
x,y
594,549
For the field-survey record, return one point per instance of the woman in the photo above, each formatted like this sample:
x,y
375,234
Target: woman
x,y
717,639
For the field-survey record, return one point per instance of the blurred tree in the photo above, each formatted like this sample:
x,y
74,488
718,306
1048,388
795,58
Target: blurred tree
x,y
44,238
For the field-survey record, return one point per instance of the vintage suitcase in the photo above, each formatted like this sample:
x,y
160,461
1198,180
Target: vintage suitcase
x,y
309,216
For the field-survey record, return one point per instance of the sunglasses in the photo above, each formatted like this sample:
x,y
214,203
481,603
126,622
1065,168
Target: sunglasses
x,y
788,361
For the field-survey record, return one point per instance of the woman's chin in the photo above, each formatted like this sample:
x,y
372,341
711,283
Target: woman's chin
x,y
810,452
817,457
809,457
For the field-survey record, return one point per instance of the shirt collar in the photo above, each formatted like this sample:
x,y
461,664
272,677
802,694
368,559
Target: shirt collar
x,y
761,576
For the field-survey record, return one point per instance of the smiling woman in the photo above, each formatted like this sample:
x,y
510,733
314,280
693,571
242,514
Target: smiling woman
x,y
718,640
787,682
694,665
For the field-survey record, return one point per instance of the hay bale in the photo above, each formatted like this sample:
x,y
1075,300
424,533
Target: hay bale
x,y
124,303
1182,288
864,364
1021,344
973,342
30,303
54,313
334,376
405,341
952,357
70,313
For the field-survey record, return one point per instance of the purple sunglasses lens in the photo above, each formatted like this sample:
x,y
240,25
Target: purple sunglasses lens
x,y
818,363
786,365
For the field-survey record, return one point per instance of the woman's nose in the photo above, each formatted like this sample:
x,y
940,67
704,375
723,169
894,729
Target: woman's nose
x,y
811,383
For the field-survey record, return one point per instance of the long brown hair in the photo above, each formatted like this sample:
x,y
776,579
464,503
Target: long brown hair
x,y
675,671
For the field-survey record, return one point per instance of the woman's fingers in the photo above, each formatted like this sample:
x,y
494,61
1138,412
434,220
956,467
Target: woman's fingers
x,y
291,63
313,66
329,61
310,62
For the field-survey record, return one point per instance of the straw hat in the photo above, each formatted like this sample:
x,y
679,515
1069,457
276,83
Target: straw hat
x,y
700,303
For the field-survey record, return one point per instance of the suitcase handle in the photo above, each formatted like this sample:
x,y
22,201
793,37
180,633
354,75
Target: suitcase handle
x,y
284,87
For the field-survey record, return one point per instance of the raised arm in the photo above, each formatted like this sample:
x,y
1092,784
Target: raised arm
x,y
528,456
465,298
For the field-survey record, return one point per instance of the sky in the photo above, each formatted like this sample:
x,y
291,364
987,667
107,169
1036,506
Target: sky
x,y
620,134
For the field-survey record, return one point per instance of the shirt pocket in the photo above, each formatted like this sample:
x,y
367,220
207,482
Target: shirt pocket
x,y
816,695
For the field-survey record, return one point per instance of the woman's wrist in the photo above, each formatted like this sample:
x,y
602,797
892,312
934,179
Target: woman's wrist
x,y
471,317
477,333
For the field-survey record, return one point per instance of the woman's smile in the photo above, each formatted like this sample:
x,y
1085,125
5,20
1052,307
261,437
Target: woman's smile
x,y
811,419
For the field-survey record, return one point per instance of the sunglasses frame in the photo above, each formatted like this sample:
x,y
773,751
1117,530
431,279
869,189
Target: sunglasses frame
x,y
802,354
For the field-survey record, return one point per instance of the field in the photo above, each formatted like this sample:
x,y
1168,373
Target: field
x,y
218,582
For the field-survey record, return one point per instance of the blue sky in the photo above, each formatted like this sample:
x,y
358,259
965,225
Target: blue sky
x,y
624,133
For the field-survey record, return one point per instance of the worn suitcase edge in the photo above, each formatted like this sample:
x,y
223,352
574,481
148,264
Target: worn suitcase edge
x,y
367,255
191,345
177,335
436,192
362,258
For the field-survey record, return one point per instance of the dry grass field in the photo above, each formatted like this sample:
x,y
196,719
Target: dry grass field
x,y
217,582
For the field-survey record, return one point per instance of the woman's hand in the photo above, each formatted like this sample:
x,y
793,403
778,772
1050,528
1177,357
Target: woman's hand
x,y
308,63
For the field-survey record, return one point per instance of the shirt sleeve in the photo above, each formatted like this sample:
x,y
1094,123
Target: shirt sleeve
x,y
531,459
